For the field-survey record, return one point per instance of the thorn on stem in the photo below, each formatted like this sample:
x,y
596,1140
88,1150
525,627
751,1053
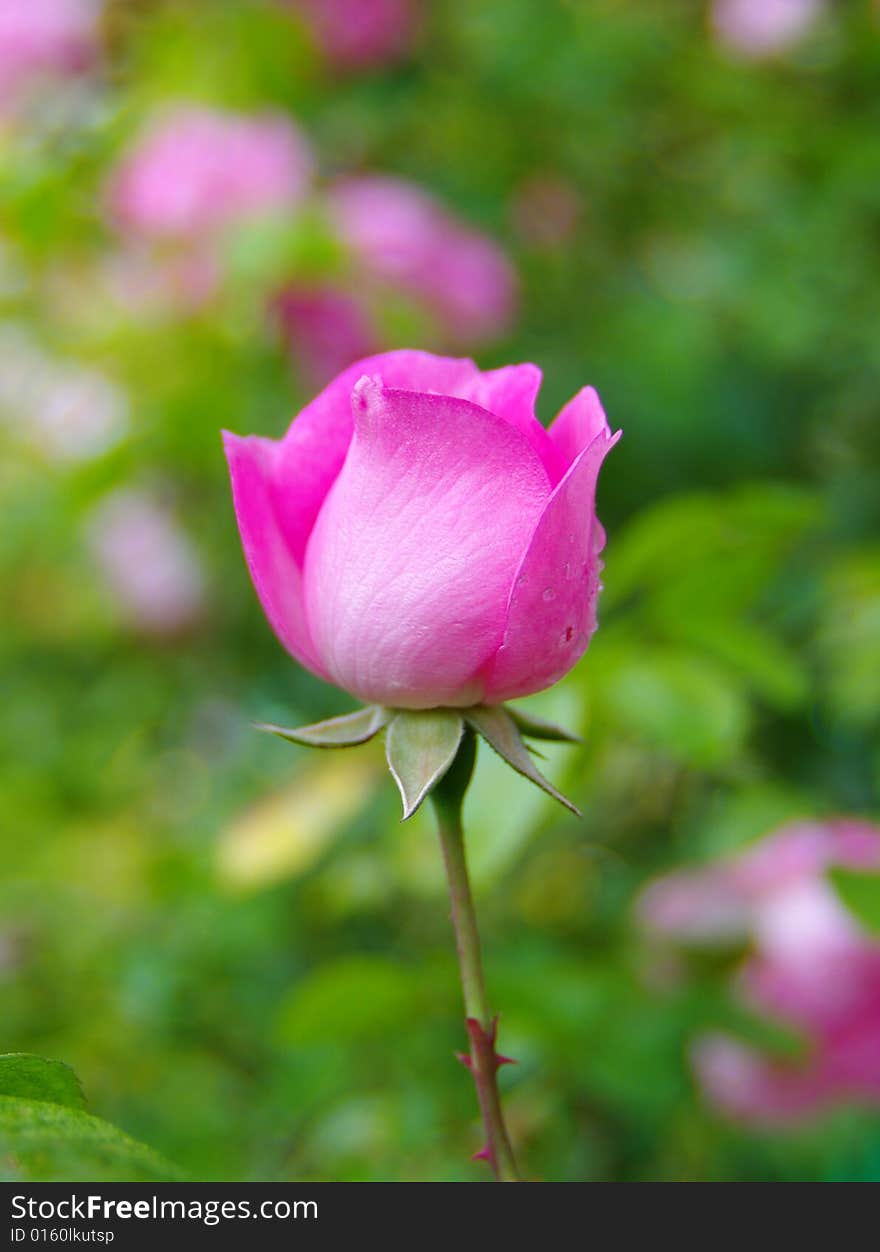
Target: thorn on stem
x,y
483,1044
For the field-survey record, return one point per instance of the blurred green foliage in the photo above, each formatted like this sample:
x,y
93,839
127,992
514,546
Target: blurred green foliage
x,y
260,983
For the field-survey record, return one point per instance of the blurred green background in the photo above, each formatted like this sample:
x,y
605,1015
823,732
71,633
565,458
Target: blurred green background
x,y
238,947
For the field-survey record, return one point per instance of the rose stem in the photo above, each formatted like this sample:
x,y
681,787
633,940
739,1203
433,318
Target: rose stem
x,y
483,1061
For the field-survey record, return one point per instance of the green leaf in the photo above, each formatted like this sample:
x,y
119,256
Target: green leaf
x,y
849,642
775,673
34,1078
420,747
740,536
678,702
501,732
336,732
860,893
537,728
42,1142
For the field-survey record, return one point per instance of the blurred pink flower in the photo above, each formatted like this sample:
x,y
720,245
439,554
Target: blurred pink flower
x,y
354,34
811,966
759,28
64,410
44,38
144,283
197,170
325,330
404,238
148,562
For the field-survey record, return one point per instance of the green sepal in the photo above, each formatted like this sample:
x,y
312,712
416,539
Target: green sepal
x,y
336,732
420,746
498,727
536,728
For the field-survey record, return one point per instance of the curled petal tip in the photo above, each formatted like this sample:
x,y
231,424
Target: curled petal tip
x,y
365,393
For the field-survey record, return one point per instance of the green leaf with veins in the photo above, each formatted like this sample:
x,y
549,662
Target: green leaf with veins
x,y
28,1077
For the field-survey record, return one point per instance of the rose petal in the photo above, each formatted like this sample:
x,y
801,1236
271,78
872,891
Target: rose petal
x,y
253,465
410,562
511,392
580,422
315,446
552,609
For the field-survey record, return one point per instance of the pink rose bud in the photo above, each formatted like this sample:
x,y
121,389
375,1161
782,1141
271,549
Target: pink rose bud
x,y
811,966
760,28
196,170
44,38
419,539
404,238
356,34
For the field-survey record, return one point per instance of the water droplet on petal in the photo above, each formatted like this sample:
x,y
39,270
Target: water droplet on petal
x,y
549,594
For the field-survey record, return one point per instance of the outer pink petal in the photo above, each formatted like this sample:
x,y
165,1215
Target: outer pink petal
x,y
511,393
552,609
254,466
279,487
580,422
410,563
315,446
